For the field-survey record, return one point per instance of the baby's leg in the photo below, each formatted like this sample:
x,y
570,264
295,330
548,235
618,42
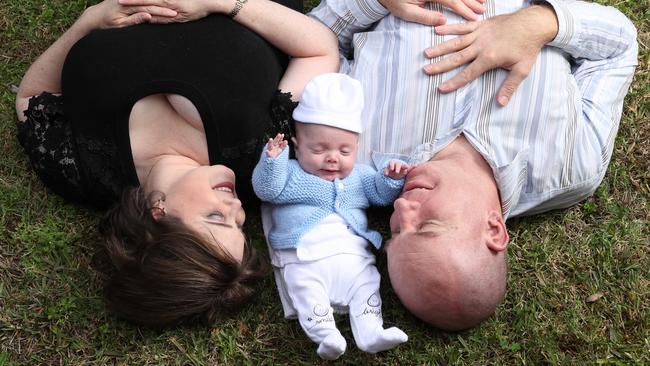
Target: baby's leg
x,y
310,298
365,315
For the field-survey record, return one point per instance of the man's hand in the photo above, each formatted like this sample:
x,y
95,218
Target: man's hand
x,y
186,10
396,170
510,41
111,14
275,146
414,11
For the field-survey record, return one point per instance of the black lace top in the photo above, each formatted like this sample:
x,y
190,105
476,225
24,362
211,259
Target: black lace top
x,y
55,153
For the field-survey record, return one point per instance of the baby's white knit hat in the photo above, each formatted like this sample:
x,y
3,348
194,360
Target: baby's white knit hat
x,y
333,100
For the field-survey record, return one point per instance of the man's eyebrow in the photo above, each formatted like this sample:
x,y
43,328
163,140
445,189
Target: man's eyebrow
x,y
427,234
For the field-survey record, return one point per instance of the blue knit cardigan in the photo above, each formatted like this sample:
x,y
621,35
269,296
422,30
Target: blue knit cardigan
x,y
301,200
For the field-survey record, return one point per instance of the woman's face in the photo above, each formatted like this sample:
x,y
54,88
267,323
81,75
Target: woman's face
x,y
204,198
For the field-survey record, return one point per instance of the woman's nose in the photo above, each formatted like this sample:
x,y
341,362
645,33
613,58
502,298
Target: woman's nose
x,y
407,213
232,203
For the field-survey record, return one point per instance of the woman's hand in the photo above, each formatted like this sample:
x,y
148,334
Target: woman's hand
x,y
186,10
414,11
111,14
510,41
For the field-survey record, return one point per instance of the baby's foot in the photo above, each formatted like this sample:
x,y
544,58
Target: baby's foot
x,y
332,347
382,340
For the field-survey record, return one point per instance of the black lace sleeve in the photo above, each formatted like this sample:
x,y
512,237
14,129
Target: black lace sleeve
x,y
47,139
282,118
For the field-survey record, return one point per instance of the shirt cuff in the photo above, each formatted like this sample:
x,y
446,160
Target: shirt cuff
x,y
568,26
368,11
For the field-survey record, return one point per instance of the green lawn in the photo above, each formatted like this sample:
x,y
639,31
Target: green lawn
x,y
51,309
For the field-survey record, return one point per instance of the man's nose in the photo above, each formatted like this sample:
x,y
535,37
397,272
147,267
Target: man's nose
x,y
407,213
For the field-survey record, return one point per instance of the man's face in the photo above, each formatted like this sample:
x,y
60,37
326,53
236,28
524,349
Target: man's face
x,y
324,151
446,260
437,200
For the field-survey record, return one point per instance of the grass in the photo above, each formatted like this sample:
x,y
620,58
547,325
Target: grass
x,y
51,310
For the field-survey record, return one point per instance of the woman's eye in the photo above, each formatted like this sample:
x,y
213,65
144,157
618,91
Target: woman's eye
x,y
217,216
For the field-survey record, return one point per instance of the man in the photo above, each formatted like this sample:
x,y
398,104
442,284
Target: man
x,y
544,142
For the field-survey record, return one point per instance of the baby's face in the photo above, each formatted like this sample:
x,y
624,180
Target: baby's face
x,y
325,151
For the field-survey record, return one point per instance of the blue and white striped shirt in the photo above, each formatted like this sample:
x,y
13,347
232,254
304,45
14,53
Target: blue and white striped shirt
x,y
548,148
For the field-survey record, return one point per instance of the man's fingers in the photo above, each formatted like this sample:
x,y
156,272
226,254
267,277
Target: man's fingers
x,y
458,28
455,60
459,7
509,86
464,77
476,6
449,46
423,16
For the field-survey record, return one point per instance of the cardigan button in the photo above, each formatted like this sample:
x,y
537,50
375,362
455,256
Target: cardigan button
x,y
340,185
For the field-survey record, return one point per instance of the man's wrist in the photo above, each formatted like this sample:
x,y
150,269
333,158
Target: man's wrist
x,y
548,21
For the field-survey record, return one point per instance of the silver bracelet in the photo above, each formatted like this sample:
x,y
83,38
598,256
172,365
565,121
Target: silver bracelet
x,y
238,5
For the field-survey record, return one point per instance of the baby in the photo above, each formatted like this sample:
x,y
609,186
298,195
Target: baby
x,y
318,230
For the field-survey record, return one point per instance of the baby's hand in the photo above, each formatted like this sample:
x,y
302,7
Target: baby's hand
x,y
276,145
396,169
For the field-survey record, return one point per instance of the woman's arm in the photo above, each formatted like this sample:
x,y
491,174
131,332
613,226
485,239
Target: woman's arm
x,y
45,73
311,45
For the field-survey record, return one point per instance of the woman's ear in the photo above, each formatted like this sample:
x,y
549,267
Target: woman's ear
x,y
497,235
157,210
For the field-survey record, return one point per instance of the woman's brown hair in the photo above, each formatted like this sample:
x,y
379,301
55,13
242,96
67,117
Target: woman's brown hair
x,y
160,272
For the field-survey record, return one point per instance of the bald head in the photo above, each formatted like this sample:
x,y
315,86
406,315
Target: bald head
x,y
447,258
450,285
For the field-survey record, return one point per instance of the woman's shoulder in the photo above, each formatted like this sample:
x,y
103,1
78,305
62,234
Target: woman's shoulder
x,y
59,160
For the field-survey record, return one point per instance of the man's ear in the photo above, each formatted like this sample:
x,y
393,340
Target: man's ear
x,y
497,235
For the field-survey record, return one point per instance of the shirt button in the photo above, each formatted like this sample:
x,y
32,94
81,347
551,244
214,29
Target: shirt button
x,y
340,185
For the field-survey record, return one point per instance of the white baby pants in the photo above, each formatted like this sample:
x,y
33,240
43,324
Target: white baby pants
x,y
340,280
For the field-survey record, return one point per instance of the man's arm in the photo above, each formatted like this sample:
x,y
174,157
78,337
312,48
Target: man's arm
x,y
583,30
416,11
347,17
602,44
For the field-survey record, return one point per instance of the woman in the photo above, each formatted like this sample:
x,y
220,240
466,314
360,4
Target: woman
x,y
166,108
